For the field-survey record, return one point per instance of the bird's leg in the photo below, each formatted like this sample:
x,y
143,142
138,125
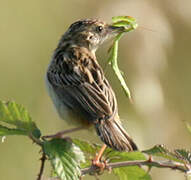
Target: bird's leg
x,y
96,161
62,133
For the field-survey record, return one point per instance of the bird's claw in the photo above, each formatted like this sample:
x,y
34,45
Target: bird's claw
x,y
99,164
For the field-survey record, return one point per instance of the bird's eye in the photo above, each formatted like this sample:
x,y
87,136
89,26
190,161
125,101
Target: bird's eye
x,y
99,28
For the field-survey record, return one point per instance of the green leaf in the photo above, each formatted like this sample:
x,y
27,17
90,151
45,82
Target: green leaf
x,y
131,173
162,151
86,147
89,151
111,156
65,158
16,115
116,156
4,131
183,154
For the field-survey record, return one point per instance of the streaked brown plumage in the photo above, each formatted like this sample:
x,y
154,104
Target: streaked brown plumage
x,y
78,87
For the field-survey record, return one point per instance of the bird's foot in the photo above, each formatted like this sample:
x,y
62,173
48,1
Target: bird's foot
x,y
101,165
97,160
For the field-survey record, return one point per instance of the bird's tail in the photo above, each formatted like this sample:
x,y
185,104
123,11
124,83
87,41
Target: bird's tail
x,y
113,135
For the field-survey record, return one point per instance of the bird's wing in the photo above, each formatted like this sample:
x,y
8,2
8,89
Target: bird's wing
x,y
82,88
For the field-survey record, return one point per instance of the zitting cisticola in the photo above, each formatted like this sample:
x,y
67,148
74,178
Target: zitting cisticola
x,y
78,87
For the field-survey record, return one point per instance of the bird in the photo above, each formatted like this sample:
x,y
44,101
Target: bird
x,y
78,87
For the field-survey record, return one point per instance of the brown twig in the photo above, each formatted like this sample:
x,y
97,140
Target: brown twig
x,y
43,159
151,163
35,140
62,133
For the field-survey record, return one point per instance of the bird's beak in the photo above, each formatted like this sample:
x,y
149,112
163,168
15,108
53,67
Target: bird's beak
x,y
113,30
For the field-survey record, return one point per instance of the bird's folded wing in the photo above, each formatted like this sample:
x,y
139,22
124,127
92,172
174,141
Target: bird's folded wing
x,y
90,99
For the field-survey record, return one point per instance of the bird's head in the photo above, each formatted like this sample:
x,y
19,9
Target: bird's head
x,y
90,33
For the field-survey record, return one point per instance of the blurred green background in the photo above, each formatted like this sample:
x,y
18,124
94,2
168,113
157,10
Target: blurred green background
x,y
156,59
